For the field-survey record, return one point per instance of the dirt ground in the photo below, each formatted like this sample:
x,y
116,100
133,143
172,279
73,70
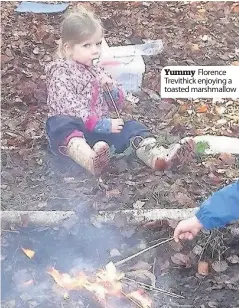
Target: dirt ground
x,y
193,33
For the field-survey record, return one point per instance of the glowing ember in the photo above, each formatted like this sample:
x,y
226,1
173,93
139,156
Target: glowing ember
x,y
104,283
141,298
29,253
28,283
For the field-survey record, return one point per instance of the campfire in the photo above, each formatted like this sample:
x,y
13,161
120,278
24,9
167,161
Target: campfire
x,y
106,283
55,269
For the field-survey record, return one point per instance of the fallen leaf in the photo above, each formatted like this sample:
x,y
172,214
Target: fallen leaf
x,y
176,246
221,122
181,259
220,266
5,59
152,94
138,204
234,230
220,109
202,109
234,259
69,180
172,223
183,199
29,253
183,108
213,179
234,279
227,159
195,47
212,304
203,268
66,296
235,8
162,265
204,38
197,250
143,275
141,265
115,252
112,193
96,222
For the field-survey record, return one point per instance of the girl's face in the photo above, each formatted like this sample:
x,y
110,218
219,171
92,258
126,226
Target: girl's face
x,y
86,51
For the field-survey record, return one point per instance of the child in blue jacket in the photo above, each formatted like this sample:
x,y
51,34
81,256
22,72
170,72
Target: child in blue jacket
x,y
217,211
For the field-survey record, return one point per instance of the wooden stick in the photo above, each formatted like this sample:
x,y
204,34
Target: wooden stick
x,y
112,100
154,288
142,251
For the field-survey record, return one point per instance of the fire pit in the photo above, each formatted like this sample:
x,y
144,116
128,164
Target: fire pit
x,y
67,264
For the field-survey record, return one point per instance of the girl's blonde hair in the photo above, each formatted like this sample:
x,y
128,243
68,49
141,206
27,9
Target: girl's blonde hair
x,y
77,27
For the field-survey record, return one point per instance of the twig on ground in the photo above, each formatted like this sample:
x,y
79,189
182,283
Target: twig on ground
x,y
142,251
154,264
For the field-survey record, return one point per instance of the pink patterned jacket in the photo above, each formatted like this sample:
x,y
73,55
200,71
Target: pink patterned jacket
x,y
75,90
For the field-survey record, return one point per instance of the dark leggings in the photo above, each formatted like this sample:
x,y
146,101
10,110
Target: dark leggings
x,y
59,127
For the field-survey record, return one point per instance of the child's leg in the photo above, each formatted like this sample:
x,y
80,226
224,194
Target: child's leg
x,y
159,158
152,154
121,141
95,160
66,137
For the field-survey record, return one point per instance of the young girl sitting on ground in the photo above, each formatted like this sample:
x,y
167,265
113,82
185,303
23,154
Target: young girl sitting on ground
x,y
79,125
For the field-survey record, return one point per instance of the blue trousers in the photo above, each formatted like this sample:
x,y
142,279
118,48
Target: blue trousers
x,y
59,127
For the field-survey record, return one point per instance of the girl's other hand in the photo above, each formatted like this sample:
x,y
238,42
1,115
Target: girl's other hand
x,y
117,125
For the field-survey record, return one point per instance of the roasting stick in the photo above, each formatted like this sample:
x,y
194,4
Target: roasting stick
x,y
142,251
113,102
152,288
111,98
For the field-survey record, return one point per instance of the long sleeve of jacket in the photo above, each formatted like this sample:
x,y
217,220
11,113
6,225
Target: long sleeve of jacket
x,y
118,96
63,99
117,92
221,208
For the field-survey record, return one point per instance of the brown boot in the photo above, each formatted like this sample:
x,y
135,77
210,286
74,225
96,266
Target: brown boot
x,y
95,160
159,158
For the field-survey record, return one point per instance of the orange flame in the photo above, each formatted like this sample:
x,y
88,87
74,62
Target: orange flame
x,y
29,253
105,283
141,298
66,281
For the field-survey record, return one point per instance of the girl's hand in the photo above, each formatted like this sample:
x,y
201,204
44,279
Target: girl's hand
x,y
187,229
106,80
117,125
